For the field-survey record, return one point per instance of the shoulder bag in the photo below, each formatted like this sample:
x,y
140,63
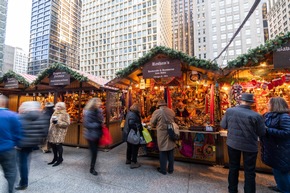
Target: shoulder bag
x,y
172,128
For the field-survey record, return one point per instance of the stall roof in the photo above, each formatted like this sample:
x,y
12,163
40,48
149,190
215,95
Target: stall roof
x,y
80,76
23,79
131,74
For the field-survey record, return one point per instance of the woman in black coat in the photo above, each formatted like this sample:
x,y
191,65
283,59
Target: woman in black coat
x,y
276,144
93,121
133,121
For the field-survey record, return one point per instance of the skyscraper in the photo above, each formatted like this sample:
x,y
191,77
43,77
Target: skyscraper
x,y
3,16
54,34
182,26
215,24
278,17
15,59
117,32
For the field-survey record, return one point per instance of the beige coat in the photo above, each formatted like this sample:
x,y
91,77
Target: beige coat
x,y
158,121
57,132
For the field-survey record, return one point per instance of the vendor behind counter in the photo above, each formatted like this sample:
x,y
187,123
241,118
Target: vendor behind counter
x,y
181,111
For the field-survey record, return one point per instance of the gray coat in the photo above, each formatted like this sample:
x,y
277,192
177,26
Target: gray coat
x,y
157,120
244,126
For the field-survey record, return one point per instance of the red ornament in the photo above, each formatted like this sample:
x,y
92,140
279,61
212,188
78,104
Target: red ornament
x,y
270,86
254,82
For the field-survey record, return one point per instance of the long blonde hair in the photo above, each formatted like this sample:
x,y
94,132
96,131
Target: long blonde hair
x,y
91,104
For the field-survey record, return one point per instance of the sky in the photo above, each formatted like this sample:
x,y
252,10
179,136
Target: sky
x,y
18,23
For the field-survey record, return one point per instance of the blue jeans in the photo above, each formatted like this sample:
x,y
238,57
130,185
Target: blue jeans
x,y
165,156
249,159
23,163
8,163
282,180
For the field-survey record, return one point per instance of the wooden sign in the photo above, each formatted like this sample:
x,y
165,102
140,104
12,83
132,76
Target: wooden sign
x,y
59,78
162,68
281,58
11,83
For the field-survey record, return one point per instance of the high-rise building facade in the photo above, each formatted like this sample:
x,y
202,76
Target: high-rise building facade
x,y
278,17
8,58
20,61
117,32
3,16
15,59
215,24
54,34
182,26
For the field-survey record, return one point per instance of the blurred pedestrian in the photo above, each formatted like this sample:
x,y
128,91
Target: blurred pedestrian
x,y
59,124
48,111
133,121
276,143
165,144
10,135
93,121
244,127
34,127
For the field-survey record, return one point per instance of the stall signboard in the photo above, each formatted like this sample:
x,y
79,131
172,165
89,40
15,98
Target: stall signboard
x,y
11,83
162,68
59,79
281,57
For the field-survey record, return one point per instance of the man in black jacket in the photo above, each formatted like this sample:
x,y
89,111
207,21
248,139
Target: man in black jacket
x,y
34,126
244,127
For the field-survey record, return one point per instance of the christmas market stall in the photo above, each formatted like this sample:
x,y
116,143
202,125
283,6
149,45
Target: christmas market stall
x,y
263,71
188,86
61,83
13,85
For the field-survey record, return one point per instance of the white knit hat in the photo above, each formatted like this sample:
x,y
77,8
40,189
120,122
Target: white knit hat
x,y
29,106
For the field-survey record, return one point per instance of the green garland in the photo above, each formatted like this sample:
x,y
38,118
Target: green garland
x,y
191,61
58,66
19,78
254,56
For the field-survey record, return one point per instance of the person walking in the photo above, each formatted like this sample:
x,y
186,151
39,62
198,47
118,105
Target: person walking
x,y
59,124
133,121
35,127
48,111
276,143
10,135
244,127
165,144
93,119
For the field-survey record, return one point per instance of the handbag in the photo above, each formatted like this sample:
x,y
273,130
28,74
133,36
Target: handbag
x,y
186,145
146,135
133,137
198,146
106,139
170,129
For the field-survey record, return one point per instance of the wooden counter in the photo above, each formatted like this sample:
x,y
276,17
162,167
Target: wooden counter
x,y
215,159
74,136
260,166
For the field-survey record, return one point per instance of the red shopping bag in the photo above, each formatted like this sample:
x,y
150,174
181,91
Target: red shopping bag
x,y
106,139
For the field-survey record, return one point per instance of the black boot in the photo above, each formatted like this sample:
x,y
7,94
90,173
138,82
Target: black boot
x,y
59,161
53,161
93,171
55,158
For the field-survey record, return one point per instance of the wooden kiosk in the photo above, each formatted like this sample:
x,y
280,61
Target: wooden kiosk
x,y
14,85
263,71
164,73
75,88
